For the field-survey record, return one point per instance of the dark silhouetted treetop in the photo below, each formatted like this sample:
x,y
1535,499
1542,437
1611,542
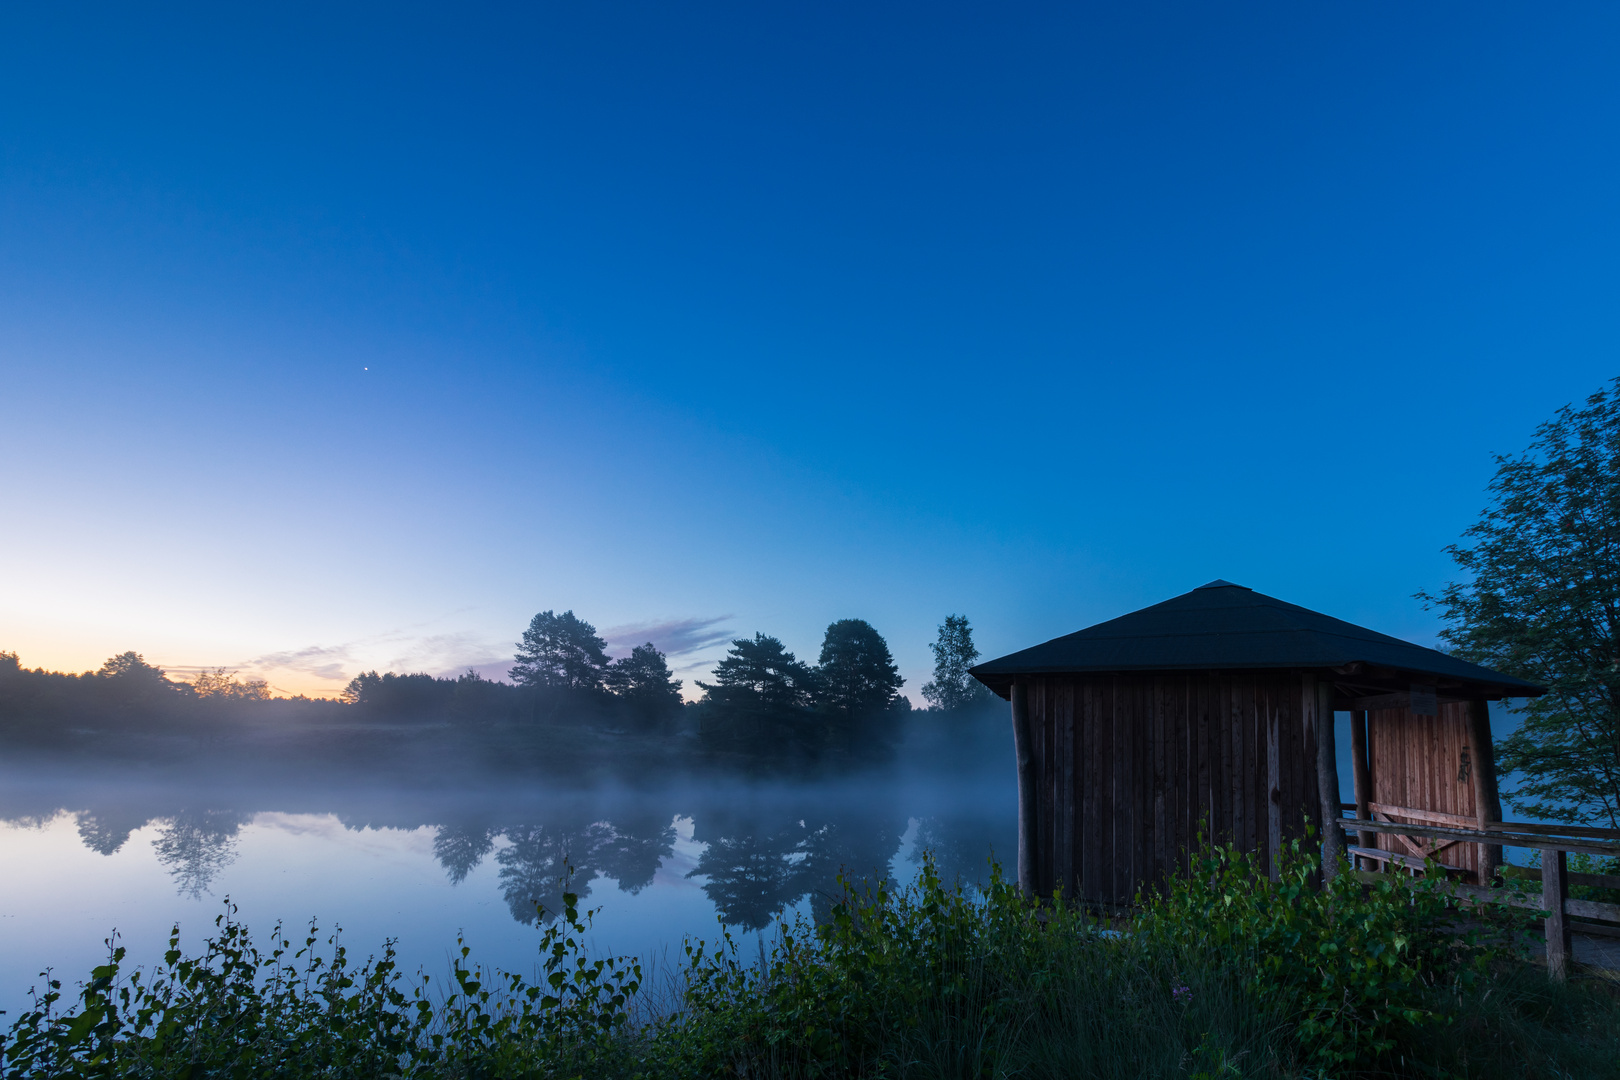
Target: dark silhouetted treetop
x,y
401,695
476,697
855,674
954,652
131,681
643,679
560,652
1542,602
125,664
760,674
223,684
133,666
362,689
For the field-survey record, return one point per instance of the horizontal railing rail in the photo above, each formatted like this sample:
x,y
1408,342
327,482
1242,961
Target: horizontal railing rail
x,y
1595,881
1582,909
1554,841
1592,831
1480,836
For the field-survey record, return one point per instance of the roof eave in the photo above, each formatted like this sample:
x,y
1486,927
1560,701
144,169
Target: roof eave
x,y
999,678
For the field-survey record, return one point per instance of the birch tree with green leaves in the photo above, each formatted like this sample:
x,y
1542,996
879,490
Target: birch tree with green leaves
x,y
952,687
1540,600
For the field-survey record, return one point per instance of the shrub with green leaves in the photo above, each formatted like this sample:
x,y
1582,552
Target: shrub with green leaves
x,y
886,971
1226,974
1354,966
238,1012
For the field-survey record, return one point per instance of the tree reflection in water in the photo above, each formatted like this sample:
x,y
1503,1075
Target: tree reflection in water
x,y
763,849
963,844
105,829
538,857
535,863
754,872
195,845
758,866
635,848
857,845
461,846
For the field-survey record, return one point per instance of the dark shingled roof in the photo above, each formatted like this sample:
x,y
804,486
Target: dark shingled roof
x,y
1227,626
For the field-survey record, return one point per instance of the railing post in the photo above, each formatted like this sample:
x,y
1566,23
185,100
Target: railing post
x,y
1554,891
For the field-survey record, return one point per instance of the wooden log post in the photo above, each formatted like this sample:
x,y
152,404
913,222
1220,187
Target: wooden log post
x,y
1487,802
1024,753
1327,777
1361,774
1554,892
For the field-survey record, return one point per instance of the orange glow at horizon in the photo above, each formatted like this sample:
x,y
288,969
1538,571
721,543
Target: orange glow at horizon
x,y
283,683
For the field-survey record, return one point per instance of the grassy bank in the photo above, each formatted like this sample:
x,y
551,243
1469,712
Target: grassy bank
x,y
1227,975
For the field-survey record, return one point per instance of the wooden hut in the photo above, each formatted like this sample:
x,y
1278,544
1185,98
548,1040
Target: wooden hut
x,y
1216,708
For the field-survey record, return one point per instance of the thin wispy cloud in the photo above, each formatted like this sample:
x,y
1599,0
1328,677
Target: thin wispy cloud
x,y
396,650
321,661
494,670
441,653
673,637
450,654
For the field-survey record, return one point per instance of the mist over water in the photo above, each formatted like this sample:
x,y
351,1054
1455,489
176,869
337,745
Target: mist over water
x,y
422,856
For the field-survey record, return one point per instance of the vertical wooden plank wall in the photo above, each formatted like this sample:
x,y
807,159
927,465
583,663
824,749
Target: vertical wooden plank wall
x,y
1416,762
1128,768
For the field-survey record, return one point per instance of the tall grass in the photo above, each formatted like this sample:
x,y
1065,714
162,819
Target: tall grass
x,y
1226,974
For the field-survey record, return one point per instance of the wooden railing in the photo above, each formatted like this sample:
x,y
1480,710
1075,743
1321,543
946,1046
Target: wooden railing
x,y
1555,842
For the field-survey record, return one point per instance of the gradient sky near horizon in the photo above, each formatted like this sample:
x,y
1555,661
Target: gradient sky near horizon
x,y
336,337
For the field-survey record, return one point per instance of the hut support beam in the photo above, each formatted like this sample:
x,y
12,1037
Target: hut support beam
x,y
1327,775
1487,802
1027,809
1361,773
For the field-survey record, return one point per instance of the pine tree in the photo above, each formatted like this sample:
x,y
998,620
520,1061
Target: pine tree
x,y
856,675
643,682
759,699
560,652
858,688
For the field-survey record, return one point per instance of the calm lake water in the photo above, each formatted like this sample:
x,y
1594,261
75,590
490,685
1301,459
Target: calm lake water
x,y
85,855
86,849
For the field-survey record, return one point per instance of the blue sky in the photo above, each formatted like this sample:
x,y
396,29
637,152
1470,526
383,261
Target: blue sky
x,y
336,336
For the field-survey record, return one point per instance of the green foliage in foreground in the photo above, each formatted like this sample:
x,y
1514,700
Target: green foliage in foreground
x,y
1226,975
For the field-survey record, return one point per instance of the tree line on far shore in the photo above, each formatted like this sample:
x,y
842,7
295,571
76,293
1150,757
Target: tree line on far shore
x,y
125,693
762,701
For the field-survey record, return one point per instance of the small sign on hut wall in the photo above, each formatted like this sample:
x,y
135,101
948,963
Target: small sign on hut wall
x,y
1423,701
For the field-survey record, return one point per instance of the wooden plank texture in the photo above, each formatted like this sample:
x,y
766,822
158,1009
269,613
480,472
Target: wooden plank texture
x,y
1126,769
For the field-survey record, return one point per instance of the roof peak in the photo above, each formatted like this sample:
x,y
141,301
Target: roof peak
x,y
1254,631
